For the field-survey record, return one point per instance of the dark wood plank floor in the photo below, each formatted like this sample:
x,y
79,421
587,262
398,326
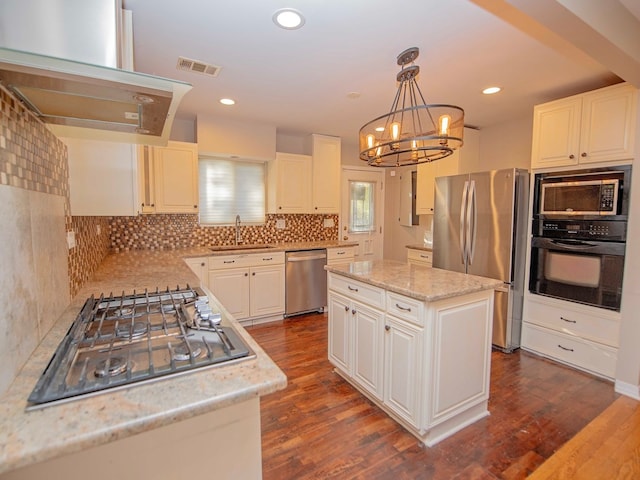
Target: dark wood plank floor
x,y
320,427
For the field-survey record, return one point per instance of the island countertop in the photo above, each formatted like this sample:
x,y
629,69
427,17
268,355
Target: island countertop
x,y
420,282
34,436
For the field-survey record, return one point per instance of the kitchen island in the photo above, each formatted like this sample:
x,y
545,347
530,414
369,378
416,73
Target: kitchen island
x,y
415,340
203,421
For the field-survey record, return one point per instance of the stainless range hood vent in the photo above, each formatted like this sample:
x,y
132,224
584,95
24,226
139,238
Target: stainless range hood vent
x,y
198,67
89,101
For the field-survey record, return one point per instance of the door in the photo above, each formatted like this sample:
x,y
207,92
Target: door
x,y
448,223
266,287
362,212
492,222
368,348
231,288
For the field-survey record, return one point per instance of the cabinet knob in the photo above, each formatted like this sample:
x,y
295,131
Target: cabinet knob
x,y
572,156
387,327
202,264
583,154
253,273
195,206
316,208
246,274
346,308
279,208
353,312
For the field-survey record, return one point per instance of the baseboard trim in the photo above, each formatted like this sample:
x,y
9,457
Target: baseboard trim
x,y
628,389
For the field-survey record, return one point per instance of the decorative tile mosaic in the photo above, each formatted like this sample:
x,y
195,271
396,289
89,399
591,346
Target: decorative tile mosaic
x,y
171,231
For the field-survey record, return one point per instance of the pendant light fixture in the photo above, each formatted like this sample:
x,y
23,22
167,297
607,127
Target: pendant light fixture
x,y
412,132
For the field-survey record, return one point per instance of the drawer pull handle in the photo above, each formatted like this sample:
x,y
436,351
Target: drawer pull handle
x,y
565,348
351,288
228,261
424,256
267,259
400,307
568,320
340,253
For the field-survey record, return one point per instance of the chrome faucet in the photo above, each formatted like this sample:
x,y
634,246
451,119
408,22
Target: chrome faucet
x,y
238,237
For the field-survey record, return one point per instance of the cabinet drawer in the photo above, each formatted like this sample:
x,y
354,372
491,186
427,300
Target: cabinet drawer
x,y
340,254
368,294
593,357
602,328
406,308
421,257
244,260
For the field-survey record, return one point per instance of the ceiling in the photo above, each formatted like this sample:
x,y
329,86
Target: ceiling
x,y
339,70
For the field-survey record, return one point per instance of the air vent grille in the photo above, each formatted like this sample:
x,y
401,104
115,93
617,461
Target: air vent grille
x,y
198,67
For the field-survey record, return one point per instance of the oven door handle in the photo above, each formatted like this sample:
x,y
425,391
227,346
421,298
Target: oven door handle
x,y
574,244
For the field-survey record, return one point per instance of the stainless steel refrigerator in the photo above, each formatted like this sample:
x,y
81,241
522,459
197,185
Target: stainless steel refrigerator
x,y
480,228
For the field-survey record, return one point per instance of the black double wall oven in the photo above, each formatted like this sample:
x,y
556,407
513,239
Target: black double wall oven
x,y
579,235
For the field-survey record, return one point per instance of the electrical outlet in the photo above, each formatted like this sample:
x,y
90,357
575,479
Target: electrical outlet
x,y
71,239
281,224
328,223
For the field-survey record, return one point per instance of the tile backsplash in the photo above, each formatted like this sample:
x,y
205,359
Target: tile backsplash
x,y
171,231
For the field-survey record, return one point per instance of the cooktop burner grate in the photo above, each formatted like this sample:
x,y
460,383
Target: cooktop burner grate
x,y
119,341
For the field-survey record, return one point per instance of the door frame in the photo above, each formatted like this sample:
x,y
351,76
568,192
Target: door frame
x,y
380,195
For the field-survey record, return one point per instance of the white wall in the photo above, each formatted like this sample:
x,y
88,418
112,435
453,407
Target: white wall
x,y
229,138
505,145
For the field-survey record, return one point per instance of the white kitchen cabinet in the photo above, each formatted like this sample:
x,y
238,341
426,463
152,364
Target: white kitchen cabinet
x,y
593,127
581,336
325,174
340,255
199,266
102,177
418,256
435,355
249,286
451,165
168,178
289,183
356,335
403,369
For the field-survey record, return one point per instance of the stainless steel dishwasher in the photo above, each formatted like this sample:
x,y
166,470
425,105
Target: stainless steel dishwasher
x,y
305,281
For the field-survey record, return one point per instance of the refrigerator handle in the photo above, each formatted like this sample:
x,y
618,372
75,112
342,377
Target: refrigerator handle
x,y
463,207
472,228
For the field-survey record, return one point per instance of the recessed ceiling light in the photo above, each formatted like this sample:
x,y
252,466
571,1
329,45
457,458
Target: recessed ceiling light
x,y
288,18
227,101
491,90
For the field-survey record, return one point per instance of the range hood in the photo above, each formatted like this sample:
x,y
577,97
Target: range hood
x,y
78,99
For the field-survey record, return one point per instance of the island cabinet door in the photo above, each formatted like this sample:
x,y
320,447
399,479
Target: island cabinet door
x,y
403,369
461,346
339,342
368,355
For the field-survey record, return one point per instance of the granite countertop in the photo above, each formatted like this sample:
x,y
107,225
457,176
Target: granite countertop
x,y
34,436
420,282
420,246
268,247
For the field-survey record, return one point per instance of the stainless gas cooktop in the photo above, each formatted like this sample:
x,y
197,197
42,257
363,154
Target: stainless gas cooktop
x,y
119,341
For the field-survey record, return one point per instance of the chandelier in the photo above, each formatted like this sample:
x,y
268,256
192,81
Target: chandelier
x,y
412,132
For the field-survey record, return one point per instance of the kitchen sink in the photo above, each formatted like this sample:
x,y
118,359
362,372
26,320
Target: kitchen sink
x,y
222,248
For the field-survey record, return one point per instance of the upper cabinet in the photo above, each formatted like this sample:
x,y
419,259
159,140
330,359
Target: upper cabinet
x,y
168,178
451,165
288,183
325,175
594,127
102,177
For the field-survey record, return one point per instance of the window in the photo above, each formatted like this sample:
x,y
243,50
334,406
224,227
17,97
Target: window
x,y
361,210
229,188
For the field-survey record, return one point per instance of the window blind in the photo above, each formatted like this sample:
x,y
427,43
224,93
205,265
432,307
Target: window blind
x,y
229,188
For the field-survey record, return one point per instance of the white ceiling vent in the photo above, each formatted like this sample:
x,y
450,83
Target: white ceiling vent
x,y
198,67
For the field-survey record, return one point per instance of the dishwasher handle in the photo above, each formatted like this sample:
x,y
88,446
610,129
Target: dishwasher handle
x,y
306,258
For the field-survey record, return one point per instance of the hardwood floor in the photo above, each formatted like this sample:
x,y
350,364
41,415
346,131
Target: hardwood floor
x,y
321,427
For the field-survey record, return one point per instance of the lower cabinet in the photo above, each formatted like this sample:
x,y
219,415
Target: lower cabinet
x,y
578,335
426,364
199,266
249,286
340,255
419,257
